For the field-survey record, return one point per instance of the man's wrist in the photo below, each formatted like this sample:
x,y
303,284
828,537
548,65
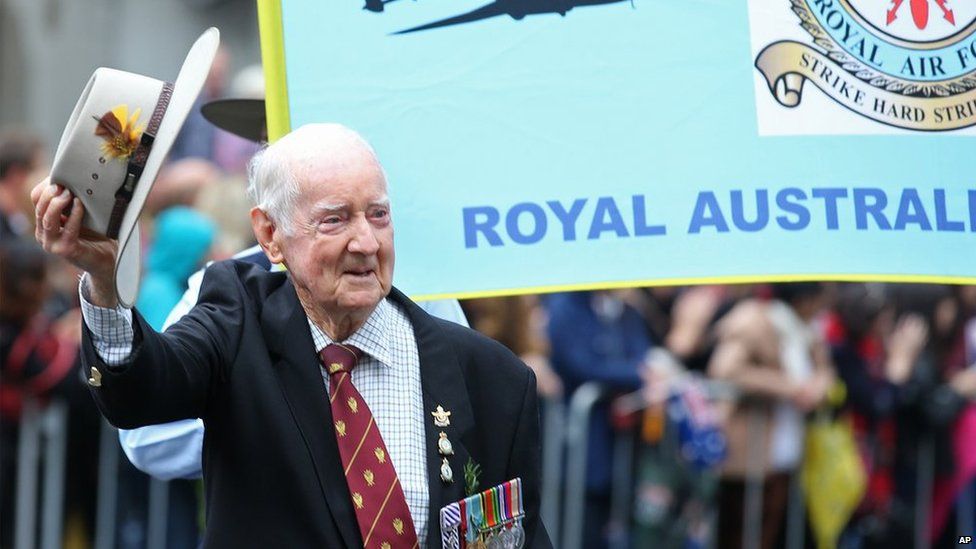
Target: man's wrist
x,y
99,291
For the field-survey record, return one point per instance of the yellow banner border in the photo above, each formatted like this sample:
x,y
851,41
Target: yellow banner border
x,y
696,281
273,59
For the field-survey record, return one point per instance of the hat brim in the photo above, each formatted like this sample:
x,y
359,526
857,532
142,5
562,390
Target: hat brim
x,y
186,88
242,117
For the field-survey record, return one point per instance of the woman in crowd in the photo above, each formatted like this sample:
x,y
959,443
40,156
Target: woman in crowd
x,y
771,352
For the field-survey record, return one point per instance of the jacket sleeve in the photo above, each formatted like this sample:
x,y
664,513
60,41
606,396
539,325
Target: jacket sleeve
x,y
525,463
170,376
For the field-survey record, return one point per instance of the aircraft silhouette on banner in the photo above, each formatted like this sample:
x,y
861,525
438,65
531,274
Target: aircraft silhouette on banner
x,y
516,9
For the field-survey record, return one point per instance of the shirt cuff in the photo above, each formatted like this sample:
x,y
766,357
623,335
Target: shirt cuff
x,y
111,328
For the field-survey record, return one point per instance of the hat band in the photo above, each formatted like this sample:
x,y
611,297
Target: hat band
x,y
137,162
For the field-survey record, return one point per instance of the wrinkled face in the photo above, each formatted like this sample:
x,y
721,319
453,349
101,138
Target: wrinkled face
x,y
340,248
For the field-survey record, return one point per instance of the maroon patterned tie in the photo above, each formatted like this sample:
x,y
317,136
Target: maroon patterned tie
x,y
381,508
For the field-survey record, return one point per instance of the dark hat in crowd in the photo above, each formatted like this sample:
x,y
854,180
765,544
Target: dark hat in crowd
x,y
242,117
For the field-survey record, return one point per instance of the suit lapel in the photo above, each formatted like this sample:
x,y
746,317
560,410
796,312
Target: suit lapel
x,y
287,334
443,385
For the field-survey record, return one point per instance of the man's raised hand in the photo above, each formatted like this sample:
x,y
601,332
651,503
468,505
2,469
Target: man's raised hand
x,y
59,231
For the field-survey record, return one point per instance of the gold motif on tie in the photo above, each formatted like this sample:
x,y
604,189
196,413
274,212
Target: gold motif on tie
x,y
353,405
380,455
368,477
357,498
442,418
334,367
341,428
398,526
385,545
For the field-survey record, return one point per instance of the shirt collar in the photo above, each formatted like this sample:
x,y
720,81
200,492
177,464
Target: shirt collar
x,y
371,338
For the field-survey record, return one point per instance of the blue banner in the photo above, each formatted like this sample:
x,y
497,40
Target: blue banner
x,y
536,145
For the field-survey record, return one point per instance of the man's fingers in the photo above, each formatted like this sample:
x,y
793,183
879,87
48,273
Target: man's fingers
x,y
72,227
38,189
40,208
52,217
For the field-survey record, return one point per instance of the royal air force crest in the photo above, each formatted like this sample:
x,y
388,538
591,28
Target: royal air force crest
x,y
910,64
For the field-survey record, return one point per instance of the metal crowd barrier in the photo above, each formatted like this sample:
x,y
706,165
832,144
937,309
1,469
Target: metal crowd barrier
x,y
554,433
966,510
576,429
41,429
924,482
42,446
43,441
108,488
106,518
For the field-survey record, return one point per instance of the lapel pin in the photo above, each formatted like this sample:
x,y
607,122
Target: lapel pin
x,y
96,378
444,445
442,418
447,475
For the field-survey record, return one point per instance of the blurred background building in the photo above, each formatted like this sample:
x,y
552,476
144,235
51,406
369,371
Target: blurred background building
x,y
49,48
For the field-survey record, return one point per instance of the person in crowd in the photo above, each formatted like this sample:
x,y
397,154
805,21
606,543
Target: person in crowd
x,y
935,396
182,245
875,357
226,203
248,351
518,322
197,138
232,151
21,152
180,183
597,336
771,352
38,355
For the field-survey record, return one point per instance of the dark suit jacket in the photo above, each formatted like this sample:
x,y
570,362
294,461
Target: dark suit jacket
x,y
243,360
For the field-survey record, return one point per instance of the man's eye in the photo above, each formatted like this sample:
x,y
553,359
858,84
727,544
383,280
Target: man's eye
x,y
379,214
331,220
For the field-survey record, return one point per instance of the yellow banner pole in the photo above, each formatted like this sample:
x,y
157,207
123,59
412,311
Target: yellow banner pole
x,y
273,60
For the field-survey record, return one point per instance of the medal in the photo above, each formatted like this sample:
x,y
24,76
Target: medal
x,y
506,539
447,475
442,418
494,541
444,445
518,535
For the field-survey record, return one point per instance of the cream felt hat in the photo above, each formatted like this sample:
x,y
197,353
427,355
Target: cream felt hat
x,y
115,142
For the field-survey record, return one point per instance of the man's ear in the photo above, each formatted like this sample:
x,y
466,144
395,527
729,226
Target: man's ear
x,y
265,232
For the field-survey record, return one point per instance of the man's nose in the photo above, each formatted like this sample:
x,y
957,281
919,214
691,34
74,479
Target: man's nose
x,y
364,239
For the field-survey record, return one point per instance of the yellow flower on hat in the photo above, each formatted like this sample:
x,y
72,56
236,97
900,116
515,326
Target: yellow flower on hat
x,y
120,131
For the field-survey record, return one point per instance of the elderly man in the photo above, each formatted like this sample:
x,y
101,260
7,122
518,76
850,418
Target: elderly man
x,y
174,450
324,390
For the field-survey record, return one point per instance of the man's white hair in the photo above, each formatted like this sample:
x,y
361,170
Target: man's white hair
x,y
272,181
272,186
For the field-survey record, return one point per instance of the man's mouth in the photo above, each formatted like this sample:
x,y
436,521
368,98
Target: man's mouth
x,y
359,273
